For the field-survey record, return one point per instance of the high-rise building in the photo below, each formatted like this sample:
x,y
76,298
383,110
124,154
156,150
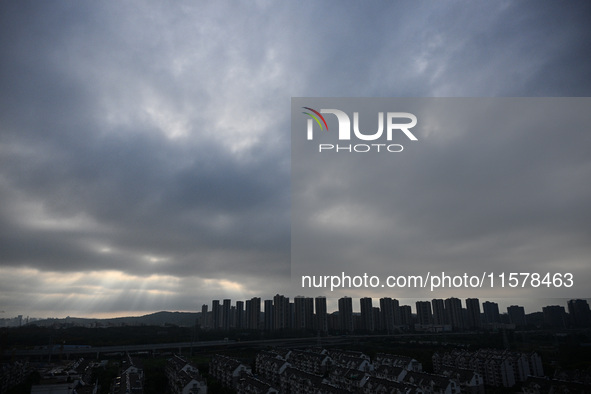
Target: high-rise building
x,y
321,314
240,315
424,316
377,318
453,311
233,317
406,315
204,317
215,314
290,315
397,312
253,313
367,322
473,313
388,321
579,312
517,315
309,313
491,312
303,313
281,313
225,312
439,312
246,314
269,322
346,314
554,316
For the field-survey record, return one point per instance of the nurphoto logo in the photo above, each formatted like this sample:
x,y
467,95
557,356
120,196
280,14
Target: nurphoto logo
x,y
393,125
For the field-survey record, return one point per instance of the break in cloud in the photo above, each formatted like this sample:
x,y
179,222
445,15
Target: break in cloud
x,y
144,148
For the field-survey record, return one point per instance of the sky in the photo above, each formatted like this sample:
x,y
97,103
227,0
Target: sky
x,y
145,155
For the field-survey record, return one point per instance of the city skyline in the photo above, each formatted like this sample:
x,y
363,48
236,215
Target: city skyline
x,y
145,149
303,312
330,306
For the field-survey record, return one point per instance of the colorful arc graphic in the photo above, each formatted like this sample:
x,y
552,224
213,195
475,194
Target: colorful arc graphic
x,y
315,118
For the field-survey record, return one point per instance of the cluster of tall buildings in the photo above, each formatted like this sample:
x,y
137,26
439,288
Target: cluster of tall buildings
x,y
304,313
386,315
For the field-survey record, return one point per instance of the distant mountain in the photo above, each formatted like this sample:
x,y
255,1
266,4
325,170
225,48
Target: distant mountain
x,y
181,319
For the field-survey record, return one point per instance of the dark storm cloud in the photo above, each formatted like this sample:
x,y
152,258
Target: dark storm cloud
x,y
141,139
115,156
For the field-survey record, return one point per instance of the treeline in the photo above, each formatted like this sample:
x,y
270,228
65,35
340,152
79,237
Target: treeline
x,y
33,336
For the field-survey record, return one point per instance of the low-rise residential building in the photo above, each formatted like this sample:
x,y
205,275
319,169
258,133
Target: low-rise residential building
x,y
375,385
348,378
538,385
390,372
351,360
432,384
295,381
248,384
270,367
227,370
408,363
184,377
354,372
469,381
500,368
312,362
